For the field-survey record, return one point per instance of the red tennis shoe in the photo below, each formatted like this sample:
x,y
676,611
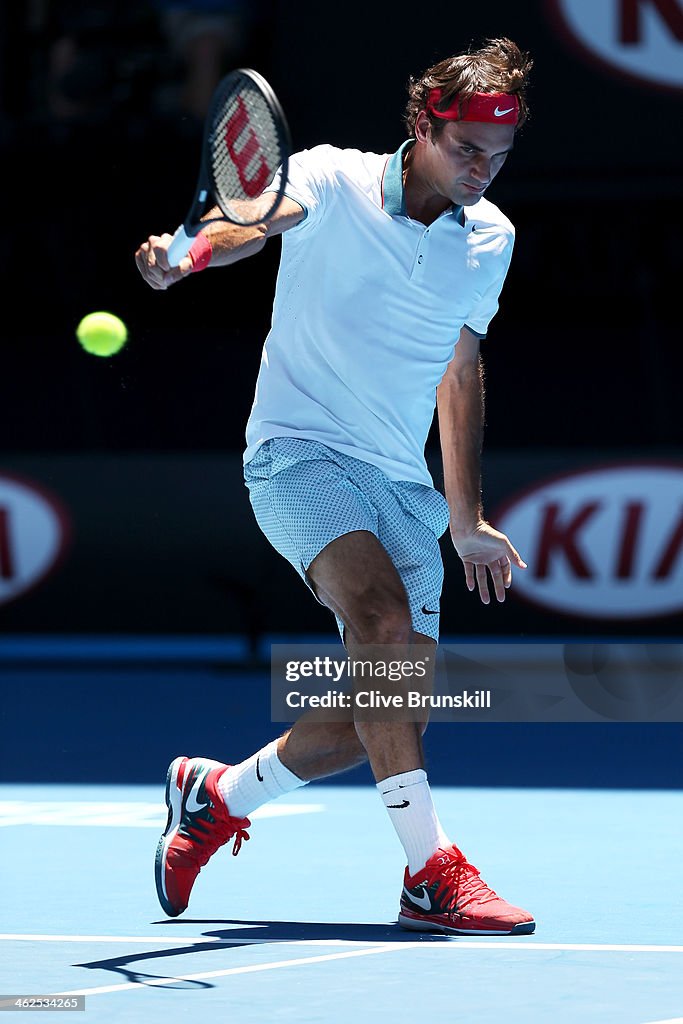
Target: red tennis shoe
x,y
198,824
448,895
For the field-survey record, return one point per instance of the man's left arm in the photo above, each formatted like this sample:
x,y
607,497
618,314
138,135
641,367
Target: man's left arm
x,y
460,404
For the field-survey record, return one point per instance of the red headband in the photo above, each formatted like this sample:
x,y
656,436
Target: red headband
x,y
495,107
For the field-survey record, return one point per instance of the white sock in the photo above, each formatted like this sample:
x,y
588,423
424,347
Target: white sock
x,y
254,782
408,800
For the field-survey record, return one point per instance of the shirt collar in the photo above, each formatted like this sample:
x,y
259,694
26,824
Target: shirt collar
x,y
393,193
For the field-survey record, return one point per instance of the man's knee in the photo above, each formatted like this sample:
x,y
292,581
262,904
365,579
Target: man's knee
x,y
380,616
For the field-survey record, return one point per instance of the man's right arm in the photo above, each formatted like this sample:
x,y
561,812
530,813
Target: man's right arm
x,y
228,243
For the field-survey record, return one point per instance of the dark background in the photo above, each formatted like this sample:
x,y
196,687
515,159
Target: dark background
x,y
585,350
100,147
98,150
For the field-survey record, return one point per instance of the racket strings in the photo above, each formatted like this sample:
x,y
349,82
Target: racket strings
x,y
245,145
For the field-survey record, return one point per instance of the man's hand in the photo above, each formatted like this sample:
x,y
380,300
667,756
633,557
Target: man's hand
x,y
485,548
152,262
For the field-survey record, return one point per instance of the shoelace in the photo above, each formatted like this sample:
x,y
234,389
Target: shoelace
x,y
240,834
217,834
457,879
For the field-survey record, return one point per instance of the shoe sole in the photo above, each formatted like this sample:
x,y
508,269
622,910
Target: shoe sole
x,y
174,802
413,925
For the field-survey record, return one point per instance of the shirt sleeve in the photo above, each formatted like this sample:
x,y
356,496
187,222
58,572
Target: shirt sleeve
x,y
486,308
309,179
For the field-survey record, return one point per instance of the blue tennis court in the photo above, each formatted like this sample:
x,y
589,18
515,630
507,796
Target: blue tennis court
x,y
301,925
532,290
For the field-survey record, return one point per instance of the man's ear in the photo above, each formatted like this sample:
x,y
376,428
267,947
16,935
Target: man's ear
x,y
423,127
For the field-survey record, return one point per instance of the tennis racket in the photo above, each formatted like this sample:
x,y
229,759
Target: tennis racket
x,y
246,139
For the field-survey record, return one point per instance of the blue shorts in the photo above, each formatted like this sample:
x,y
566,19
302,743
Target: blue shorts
x,y
305,495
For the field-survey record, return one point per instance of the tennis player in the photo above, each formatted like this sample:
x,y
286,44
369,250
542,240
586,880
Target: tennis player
x,y
390,274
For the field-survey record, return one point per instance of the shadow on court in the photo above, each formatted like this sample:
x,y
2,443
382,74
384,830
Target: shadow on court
x,y
306,931
249,933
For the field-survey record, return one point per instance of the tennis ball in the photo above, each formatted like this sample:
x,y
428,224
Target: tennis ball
x,y
102,334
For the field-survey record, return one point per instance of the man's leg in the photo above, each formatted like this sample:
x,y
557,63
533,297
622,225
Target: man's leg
x,y
356,579
354,575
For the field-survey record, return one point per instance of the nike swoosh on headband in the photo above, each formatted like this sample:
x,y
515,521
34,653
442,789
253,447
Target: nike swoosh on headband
x,y
479,106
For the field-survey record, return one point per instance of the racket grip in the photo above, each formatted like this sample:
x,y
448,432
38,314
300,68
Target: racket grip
x,y
181,243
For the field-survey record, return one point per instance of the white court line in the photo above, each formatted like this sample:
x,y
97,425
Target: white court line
x,y
175,941
104,989
671,1020
300,961
116,814
452,942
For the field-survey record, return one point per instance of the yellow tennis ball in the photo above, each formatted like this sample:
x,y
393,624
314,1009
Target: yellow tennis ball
x,y
102,334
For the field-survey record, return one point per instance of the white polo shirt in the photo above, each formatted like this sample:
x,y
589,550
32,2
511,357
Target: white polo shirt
x,y
368,308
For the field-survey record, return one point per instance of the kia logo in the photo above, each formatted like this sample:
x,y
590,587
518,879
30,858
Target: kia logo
x,y
34,530
602,543
642,39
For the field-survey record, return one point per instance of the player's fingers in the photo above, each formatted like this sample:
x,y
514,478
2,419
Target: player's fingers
x,y
516,557
155,253
482,583
152,261
160,244
176,273
496,570
146,256
148,270
155,269
141,260
141,256
154,276
469,575
507,571
151,247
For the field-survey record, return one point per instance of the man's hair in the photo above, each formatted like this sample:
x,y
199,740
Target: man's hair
x,y
498,66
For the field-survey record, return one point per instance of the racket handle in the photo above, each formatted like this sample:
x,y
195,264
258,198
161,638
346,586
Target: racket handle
x,y
181,244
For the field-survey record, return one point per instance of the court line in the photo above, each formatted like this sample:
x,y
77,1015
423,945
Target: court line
x,y
251,969
449,942
670,1020
115,813
188,940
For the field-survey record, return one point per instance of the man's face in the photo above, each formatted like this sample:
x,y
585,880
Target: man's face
x,y
462,161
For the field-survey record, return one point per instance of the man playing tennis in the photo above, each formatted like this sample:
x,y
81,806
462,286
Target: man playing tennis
x,y
390,274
